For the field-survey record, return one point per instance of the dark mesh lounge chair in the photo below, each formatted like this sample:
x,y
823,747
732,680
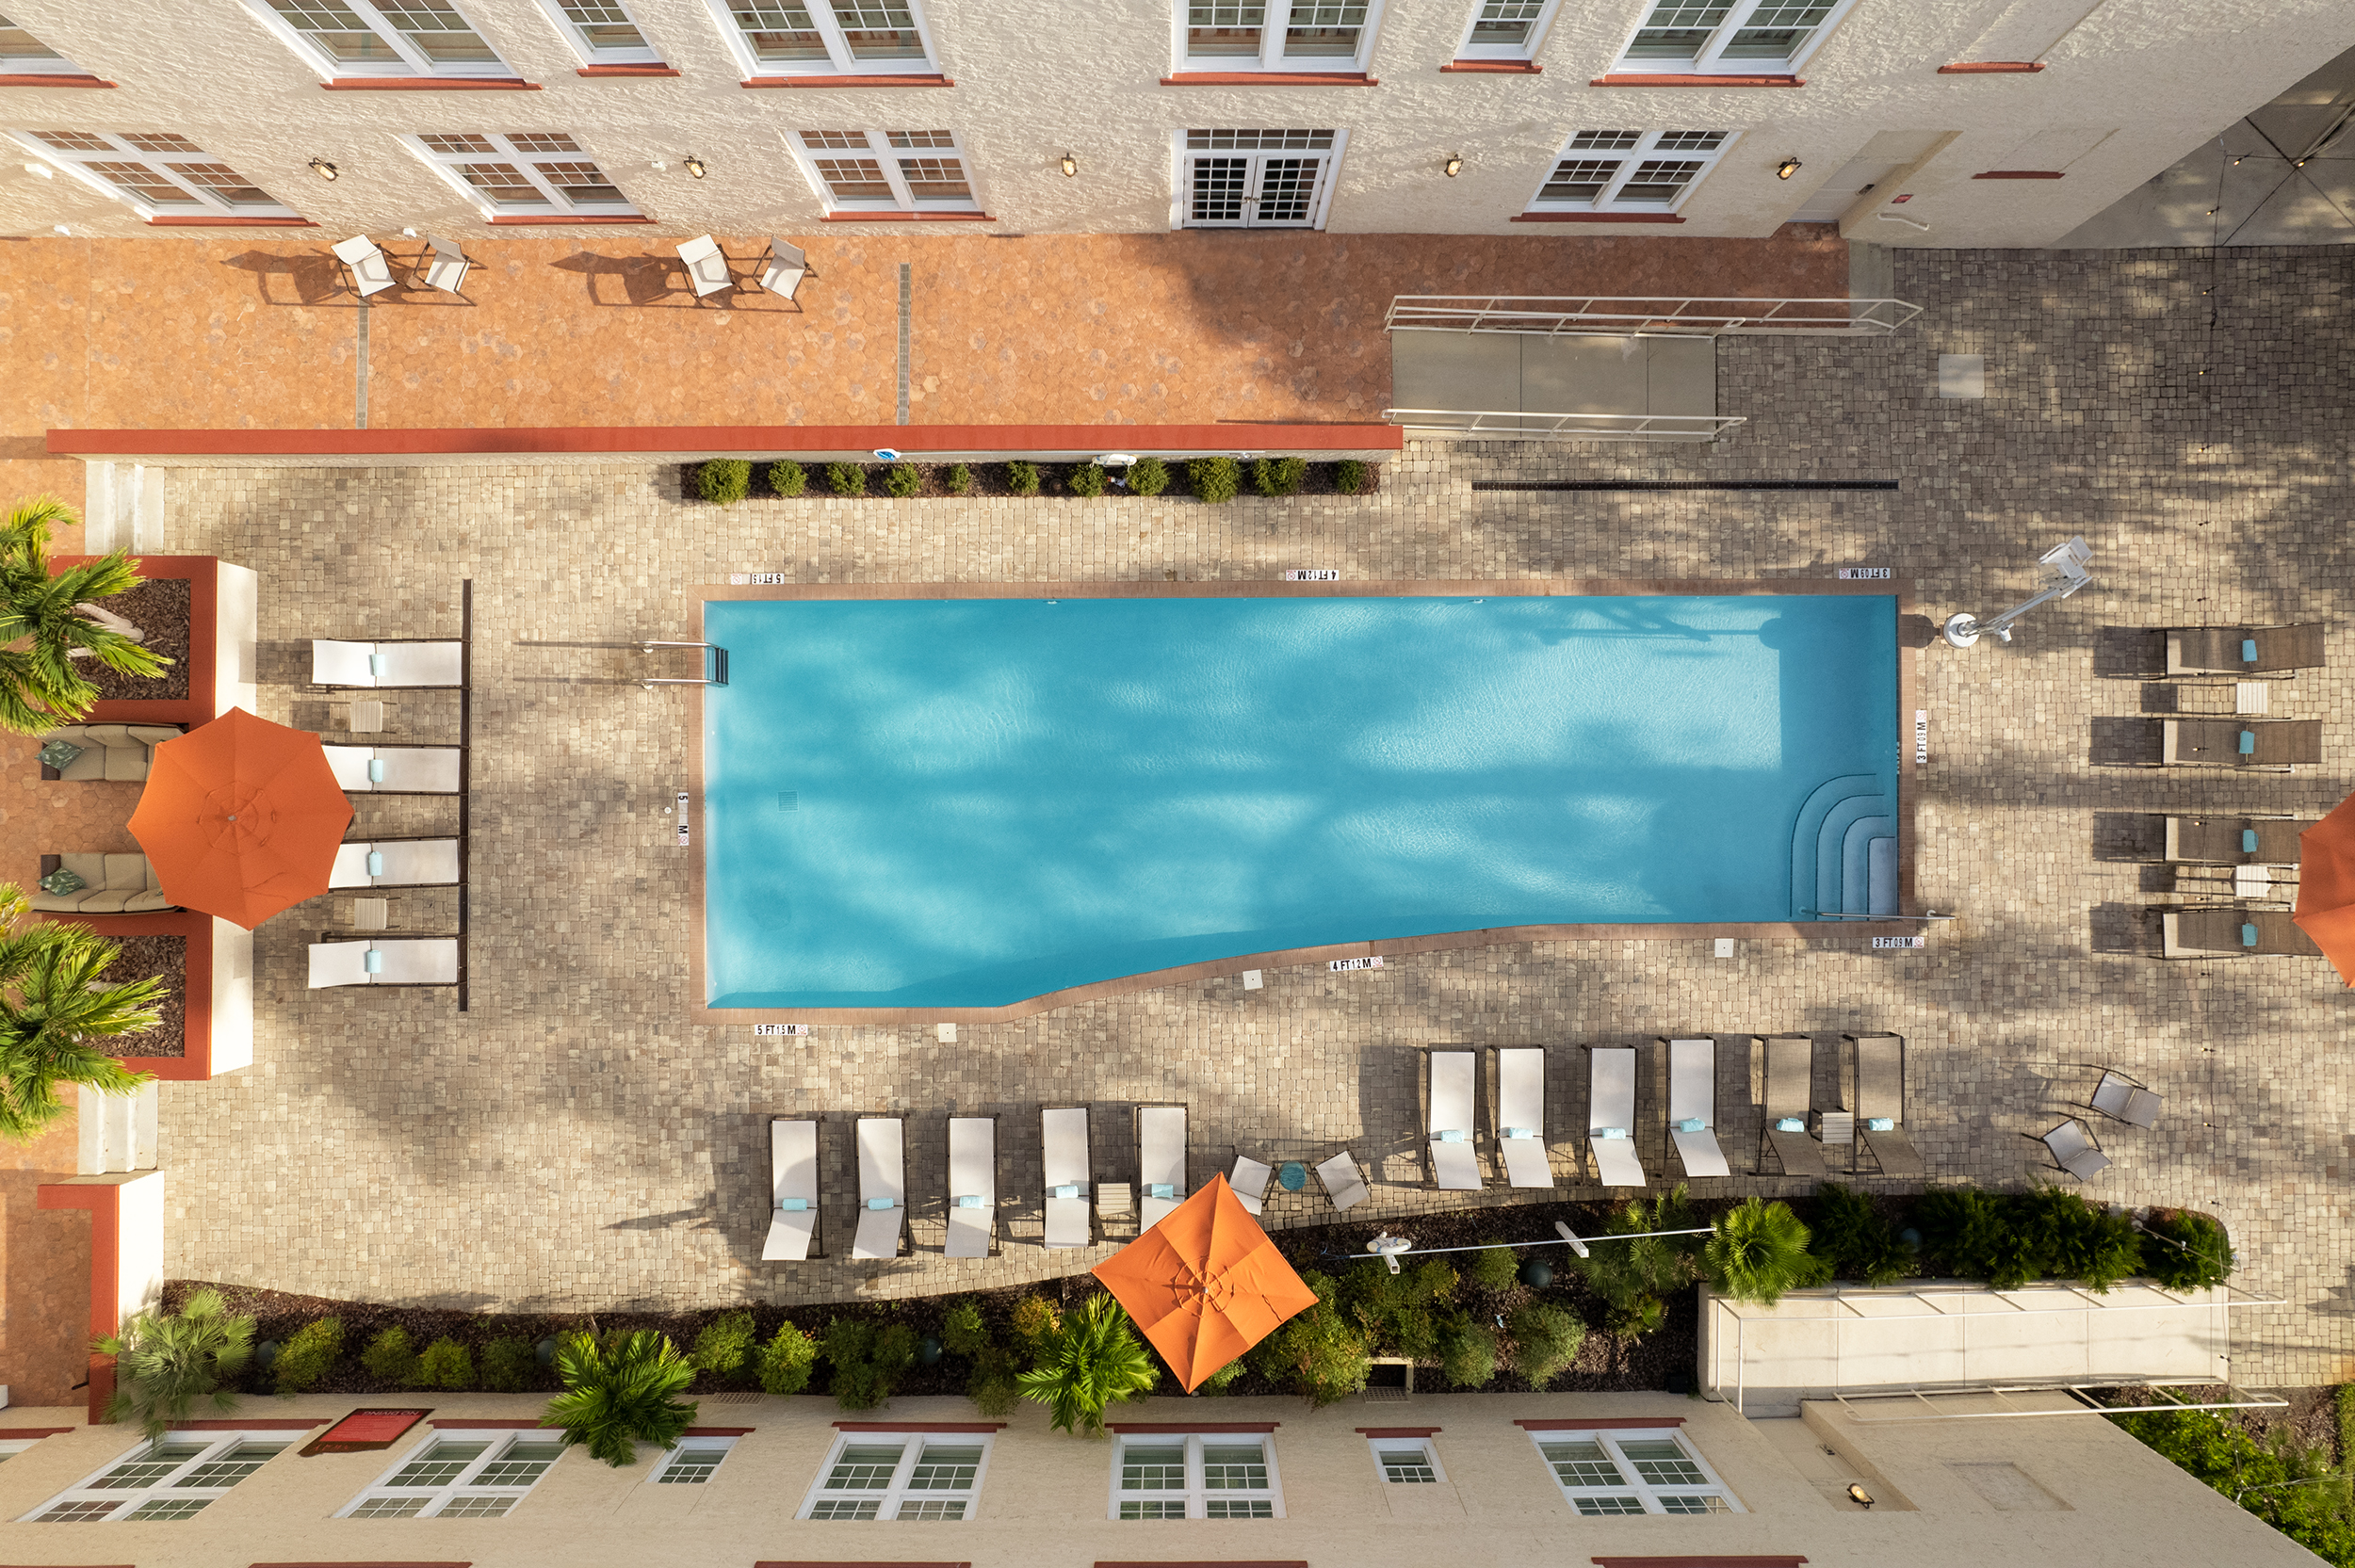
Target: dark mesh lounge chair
x,y
2229,931
2243,650
2234,840
2240,742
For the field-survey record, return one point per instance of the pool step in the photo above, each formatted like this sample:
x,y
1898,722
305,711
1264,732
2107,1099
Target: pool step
x,y
1843,849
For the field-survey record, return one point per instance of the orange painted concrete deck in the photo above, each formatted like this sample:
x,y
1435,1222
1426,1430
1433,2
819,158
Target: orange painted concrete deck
x,y
1179,328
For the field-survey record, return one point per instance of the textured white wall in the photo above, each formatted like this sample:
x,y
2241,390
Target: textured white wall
x,y
1037,79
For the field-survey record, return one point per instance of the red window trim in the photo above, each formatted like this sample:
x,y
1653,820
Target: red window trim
x,y
1597,218
518,1423
168,220
768,1563
628,70
21,1434
907,217
720,1431
1398,1432
430,84
1975,67
363,1565
1698,80
1208,1563
518,219
1713,1560
38,80
260,1424
1624,1423
1496,68
1270,78
847,81
2019,174
918,1426
1194,1426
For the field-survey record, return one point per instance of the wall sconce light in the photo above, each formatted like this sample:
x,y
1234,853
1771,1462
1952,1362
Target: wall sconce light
x,y
1454,166
1788,167
324,170
1070,166
694,166
41,170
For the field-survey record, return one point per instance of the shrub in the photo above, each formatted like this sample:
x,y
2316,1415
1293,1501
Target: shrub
x,y
621,1391
2201,1253
1022,477
164,1364
868,1360
788,478
903,481
786,1360
960,479
1278,475
309,1356
446,1364
845,478
1633,1277
390,1358
1759,1251
1094,1361
1468,1354
1854,1239
1148,476
1636,1317
1396,1311
1960,1228
1220,1380
1035,1320
963,1333
1351,477
510,1365
2288,1486
725,1344
1545,1342
993,1386
724,481
1086,479
1319,1354
1214,479
1493,1268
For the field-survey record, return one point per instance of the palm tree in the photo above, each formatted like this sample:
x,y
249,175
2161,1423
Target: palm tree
x,y
1760,1252
163,1364
618,1392
1093,1360
46,621
52,1005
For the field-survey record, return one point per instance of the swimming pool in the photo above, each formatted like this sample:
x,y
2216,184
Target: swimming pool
x,y
920,803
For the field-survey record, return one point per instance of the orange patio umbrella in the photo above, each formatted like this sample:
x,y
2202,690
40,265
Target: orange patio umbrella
x,y
1206,1284
241,817
2326,886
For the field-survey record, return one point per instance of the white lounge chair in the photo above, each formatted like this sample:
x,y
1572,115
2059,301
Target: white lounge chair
x,y
2121,1099
2074,1150
783,269
1881,1096
1344,1184
397,862
395,769
1068,1172
1611,1114
1520,1113
882,1187
707,268
374,666
1160,1160
794,1190
1447,1120
1249,1181
1790,1088
371,273
972,1185
1693,1097
443,265
385,960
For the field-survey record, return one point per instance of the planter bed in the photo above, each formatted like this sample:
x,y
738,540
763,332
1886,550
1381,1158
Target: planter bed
x,y
160,607
989,483
166,957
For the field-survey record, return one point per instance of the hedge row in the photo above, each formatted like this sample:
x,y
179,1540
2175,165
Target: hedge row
x,y
724,481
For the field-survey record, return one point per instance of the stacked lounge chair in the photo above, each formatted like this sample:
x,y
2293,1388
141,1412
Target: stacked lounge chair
x,y
882,1187
1693,1105
793,1192
1447,1120
1520,1107
972,1185
1611,1114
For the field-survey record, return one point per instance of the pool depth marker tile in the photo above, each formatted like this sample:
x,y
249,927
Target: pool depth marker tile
x,y
904,343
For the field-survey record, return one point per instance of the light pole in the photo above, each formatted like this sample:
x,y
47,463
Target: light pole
x,y
1389,1249
2068,562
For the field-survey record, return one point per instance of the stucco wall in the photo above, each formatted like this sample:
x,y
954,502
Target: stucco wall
x,y
1035,80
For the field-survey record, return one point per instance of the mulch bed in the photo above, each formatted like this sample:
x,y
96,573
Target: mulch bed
x,y
2311,1419
160,607
167,958
989,480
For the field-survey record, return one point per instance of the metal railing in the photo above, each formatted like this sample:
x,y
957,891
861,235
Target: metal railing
x,y
1564,426
1609,315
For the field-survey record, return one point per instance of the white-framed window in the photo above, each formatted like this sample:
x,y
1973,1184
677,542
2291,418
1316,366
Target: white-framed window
x,y
865,167
692,1463
159,172
1629,170
934,1477
460,1475
1196,1475
816,37
1505,29
384,37
23,55
1276,35
518,172
603,32
1729,36
176,1478
14,1446
1254,179
1406,1461
1642,1470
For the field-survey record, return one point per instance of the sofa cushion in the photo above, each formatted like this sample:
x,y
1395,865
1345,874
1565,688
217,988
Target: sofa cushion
x,y
109,734
89,767
106,901
126,874
143,903
72,734
154,734
50,903
91,869
126,764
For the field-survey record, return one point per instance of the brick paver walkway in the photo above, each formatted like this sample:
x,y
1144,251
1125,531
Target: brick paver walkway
x,y
568,1144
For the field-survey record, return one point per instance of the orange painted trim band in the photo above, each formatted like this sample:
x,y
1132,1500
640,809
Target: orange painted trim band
x,y
517,222
720,1431
849,81
1978,68
1596,218
2020,174
1271,78
598,440
1496,68
519,1423
36,79
430,84
168,222
1695,80
260,1423
1399,1431
907,217
27,1434
628,71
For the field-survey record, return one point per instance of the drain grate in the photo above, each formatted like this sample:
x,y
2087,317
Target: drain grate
x,y
788,800
1383,1396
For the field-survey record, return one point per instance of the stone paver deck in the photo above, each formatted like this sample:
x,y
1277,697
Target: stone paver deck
x,y
568,1144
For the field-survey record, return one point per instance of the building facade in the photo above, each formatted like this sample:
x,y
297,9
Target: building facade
x,y
1969,122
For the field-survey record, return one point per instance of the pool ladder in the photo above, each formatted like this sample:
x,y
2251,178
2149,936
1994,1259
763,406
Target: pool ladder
x,y
716,663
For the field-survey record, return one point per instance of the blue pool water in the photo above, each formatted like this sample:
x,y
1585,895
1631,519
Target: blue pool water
x,y
965,803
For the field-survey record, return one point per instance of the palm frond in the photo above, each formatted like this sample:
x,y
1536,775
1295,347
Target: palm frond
x,y
621,1391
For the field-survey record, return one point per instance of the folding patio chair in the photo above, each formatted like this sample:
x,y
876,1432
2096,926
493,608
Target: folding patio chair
x,y
1249,1181
443,267
1880,1103
371,273
793,1192
707,268
1068,1174
1344,1184
2231,932
1447,1120
1517,1103
1160,1160
1611,1114
1790,1093
882,1187
2244,649
2122,1099
1692,1107
782,268
2074,1150
972,1185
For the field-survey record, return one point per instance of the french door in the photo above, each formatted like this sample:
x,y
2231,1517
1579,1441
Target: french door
x,y
1275,179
